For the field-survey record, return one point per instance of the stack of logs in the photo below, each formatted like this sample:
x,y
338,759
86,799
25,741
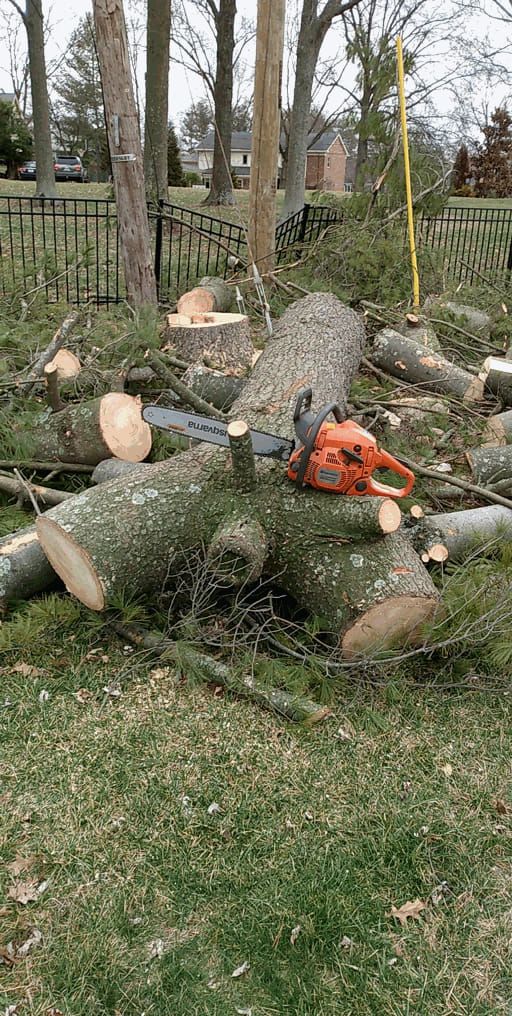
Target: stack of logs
x,y
354,561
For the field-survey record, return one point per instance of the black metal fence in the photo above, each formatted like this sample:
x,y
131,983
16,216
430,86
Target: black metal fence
x,y
68,248
470,242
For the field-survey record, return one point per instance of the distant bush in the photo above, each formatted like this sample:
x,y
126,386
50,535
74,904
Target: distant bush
x,y
466,191
191,179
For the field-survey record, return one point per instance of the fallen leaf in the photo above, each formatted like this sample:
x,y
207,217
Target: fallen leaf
x,y
346,942
213,808
112,690
501,806
295,934
20,864
44,695
344,734
35,938
447,769
392,962
213,984
156,949
24,892
439,892
186,805
412,908
83,695
242,969
8,954
244,1012
26,670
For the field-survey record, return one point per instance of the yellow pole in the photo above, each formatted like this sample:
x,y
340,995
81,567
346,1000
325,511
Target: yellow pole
x,y
407,170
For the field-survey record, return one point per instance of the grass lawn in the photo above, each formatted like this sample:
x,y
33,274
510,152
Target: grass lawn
x,y
152,900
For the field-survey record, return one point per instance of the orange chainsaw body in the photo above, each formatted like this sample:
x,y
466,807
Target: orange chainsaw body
x,y
343,459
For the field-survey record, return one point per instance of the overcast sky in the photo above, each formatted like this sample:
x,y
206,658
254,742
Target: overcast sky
x,y
186,87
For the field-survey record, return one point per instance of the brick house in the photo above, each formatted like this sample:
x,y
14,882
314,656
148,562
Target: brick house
x,y
325,167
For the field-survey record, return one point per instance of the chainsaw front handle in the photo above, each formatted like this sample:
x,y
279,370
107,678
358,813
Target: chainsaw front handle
x,y
386,461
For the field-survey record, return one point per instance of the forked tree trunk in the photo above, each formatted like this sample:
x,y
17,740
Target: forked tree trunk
x,y
126,152
317,545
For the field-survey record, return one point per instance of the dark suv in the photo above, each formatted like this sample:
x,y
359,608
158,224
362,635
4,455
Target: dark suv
x,y
69,167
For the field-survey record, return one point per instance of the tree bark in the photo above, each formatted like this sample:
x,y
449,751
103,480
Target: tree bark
x,y
91,431
157,98
43,148
221,390
265,132
24,568
223,340
221,188
490,465
308,49
126,154
412,362
369,594
112,469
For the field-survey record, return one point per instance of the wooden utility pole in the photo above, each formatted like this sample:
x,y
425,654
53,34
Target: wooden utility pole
x,y
125,151
265,131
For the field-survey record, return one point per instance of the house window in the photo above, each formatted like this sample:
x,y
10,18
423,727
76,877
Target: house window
x,y
328,162
348,187
244,160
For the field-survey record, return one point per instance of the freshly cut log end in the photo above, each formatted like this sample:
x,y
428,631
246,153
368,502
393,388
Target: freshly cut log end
x,y
126,434
219,340
438,553
71,562
497,377
396,621
389,516
416,511
68,365
91,431
196,301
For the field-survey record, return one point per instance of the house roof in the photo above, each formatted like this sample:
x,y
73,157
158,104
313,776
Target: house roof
x,y
241,141
237,170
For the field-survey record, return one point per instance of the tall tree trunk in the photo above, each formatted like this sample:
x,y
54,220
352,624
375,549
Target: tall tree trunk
x,y
361,168
265,135
157,98
45,182
308,48
221,190
126,153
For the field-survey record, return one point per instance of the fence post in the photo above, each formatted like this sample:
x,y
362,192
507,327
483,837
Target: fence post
x,y
304,223
509,259
158,245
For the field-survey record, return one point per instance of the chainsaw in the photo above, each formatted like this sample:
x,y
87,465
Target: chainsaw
x,y
338,457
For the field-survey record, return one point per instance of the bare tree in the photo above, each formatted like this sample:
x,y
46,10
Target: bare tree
x,y
157,90
16,65
314,25
32,18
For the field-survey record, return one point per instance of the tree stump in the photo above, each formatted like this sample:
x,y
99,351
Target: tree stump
x,y
219,340
91,431
418,364
130,533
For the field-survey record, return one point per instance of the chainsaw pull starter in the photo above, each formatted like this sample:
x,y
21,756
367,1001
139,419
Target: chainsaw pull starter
x,y
339,457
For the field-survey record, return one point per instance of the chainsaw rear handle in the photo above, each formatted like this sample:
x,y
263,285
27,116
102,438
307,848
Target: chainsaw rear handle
x,y
386,461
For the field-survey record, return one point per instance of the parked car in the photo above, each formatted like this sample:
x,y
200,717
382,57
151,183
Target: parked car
x,y
27,171
69,167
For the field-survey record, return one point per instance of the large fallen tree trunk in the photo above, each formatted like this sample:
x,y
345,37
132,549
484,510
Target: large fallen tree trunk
x,y
497,377
91,431
131,533
490,465
423,367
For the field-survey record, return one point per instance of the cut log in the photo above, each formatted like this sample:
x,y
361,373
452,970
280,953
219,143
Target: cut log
x,y
219,340
417,364
212,294
45,495
68,365
497,377
475,319
465,532
368,593
24,568
109,425
52,387
498,431
490,465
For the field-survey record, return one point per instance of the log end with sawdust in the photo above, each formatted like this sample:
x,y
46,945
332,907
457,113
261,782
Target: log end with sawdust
x,y
219,340
88,432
